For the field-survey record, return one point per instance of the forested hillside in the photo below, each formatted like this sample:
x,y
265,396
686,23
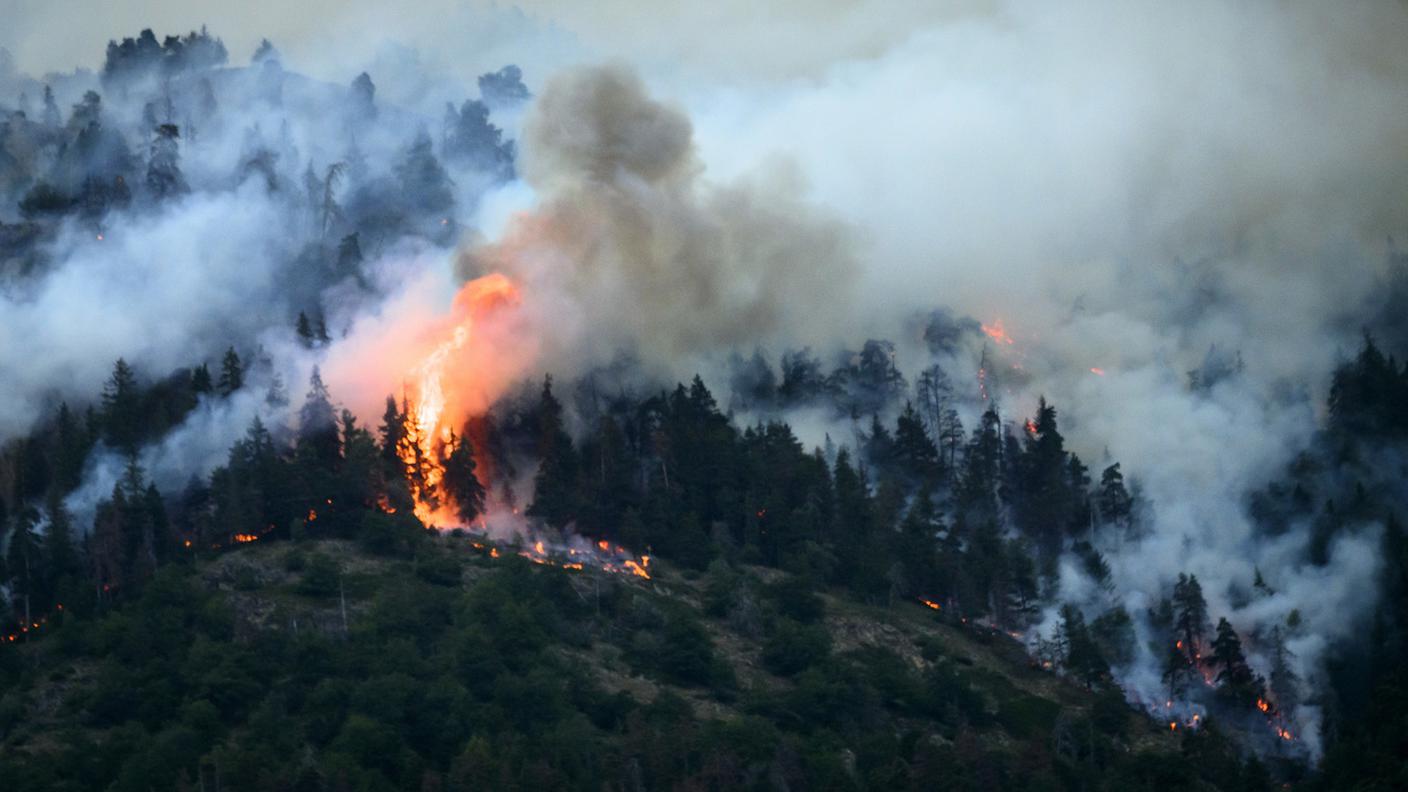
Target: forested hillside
x,y
351,442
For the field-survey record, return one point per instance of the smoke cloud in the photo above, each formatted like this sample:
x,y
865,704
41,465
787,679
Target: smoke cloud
x,y
1143,189
629,246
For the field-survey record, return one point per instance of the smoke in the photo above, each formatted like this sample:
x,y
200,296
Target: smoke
x,y
1125,188
164,291
629,246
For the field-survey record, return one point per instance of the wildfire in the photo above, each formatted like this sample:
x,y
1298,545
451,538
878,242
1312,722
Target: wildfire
x,y
433,403
996,332
1263,705
1097,371
931,604
246,538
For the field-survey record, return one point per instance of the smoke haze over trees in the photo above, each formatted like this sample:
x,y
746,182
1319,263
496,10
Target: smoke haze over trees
x,y
1085,327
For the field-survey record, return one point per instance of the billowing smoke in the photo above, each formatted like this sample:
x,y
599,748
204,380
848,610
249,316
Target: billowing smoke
x,y
1179,216
629,246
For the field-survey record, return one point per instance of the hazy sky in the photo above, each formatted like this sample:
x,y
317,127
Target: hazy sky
x,y
728,38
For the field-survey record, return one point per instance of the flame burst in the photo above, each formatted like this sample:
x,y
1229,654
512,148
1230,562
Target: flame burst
x,y
433,403
996,332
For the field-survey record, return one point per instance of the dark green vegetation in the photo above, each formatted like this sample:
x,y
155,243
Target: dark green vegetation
x,y
316,665
782,644
284,622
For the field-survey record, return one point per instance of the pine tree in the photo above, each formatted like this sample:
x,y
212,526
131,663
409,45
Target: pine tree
x,y
914,451
164,178
393,429
201,382
553,485
1114,501
460,482
122,419
22,556
60,554
304,330
1083,658
363,97
51,117
231,373
1190,615
72,449
317,423
1285,684
1236,678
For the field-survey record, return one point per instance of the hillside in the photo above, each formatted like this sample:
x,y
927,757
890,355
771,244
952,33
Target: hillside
x,y
318,665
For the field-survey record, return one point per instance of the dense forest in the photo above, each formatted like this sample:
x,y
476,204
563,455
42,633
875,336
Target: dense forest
x,y
646,585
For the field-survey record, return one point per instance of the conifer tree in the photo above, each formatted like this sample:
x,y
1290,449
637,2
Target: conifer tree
x,y
122,420
231,373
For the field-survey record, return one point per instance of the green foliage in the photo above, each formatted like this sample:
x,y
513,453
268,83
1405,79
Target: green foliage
x,y
793,647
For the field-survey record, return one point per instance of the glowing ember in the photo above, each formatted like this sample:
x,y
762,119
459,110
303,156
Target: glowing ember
x,y
246,538
996,332
931,604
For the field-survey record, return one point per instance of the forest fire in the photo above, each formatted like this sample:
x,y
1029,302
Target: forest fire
x,y
434,403
996,332
603,555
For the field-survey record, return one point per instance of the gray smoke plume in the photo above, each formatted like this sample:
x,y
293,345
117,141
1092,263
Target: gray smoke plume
x,y
628,245
1142,189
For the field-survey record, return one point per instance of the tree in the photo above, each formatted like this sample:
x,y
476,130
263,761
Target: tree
x,y
265,51
1285,684
915,453
122,414
22,556
304,330
977,489
503,89
425,187
317,424
164,178
461,484
1083,657
231,373
59,551
329,211
553,493
393,429
1116,506
72,449
472,139
1190,616
363,97
51,117
201,382
1236,678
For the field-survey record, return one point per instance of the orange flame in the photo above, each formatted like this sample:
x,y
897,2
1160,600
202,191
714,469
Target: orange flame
x,y
931,604
435,403
996,332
